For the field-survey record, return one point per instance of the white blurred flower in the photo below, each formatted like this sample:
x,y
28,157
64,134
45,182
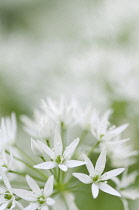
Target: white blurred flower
x,y
69,200
59,157
40,199
7,198
8,129
39,127
36,148
61,112
100,127
96,178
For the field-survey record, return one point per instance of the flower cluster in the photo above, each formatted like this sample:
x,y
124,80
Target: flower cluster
x,y
57,164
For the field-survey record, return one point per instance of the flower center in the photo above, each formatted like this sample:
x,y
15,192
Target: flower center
x,y
41,199
60,159
7,195
96,178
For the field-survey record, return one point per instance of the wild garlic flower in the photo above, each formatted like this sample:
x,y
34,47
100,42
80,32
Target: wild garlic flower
x,y
96,178
39,198
125,185
7,197
100,127
39,127
8,129
61,112
59,158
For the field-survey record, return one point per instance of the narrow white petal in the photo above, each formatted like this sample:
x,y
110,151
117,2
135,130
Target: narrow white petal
x,y
48,189
4,205
108,189
44,207
83,177
74,163
33,185
25,194
95,190
71,148
46,165
50,201
89,165
115,132
46,149
58,143
63,167
19,205
32,206
112,173
6,180
36,148
100,164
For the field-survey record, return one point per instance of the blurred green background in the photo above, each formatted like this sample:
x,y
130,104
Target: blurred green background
x,y
86,49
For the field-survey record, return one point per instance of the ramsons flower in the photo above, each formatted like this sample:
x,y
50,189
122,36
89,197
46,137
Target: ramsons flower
x,y
101,130
7,197
59,157
99,180
40,199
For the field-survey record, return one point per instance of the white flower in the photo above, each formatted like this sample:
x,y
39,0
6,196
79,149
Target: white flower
x,y
100,127
7,198
61,112
69,200
40,127
58,157
124,186
8,130
95,175
40,199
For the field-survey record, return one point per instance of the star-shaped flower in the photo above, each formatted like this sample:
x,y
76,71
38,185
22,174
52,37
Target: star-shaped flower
x,y
96,178
58,157
7,197
40,199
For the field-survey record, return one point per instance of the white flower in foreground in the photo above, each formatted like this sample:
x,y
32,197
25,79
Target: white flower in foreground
x,y
7,198
8,130
96,178
58,157
40,199
100,127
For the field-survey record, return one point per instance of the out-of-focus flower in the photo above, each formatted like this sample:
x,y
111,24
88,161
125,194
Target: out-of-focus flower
x,y
40,199
39,127
58,157
100,127
8,129
96,178
8,200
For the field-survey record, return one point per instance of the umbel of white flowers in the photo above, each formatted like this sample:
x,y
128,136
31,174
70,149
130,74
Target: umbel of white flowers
x,y
96,178
59,157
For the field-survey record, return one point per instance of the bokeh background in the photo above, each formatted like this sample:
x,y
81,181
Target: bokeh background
x,y
87,49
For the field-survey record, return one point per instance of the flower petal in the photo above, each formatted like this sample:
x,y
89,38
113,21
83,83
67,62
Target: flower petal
x,y
32,206
50,201
95,190
74,163
48,189
108,189
100,164
112,173
70,149
83,178
46,165
33,185
25,194
36,148
63,167
46,149
6,180
58,143
89,165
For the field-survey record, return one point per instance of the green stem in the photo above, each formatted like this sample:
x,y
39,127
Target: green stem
x,y
47,142
93,148
63,133
83,135
23,174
